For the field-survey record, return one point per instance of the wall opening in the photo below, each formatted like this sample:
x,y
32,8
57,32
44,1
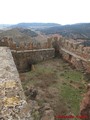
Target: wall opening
x,y
29,66
25,67
70,57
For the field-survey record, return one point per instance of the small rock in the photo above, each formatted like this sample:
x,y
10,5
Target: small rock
x,y
47,106
48,115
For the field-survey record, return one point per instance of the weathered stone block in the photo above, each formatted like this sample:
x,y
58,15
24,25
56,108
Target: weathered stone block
x,y
13,105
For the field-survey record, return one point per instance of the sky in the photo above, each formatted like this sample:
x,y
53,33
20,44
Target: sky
x,y
48,11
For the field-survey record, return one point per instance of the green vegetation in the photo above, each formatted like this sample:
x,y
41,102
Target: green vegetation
x,y
71,90
63,86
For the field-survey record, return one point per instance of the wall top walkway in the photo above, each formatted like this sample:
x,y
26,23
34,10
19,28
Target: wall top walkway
x,y
74,55
13,105
34,50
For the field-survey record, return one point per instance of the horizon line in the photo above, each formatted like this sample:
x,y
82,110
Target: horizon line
x,y
43,23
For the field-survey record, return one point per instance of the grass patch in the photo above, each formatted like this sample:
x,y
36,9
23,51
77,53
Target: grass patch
x,y
68,82
73,75
72,97
72,89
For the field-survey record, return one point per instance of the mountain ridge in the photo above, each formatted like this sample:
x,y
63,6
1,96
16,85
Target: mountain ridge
x,y
28,25
75,31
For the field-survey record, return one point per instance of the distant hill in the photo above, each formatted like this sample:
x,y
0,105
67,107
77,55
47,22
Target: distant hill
x,y
38,32
34,25
3,26
23,35
74,31
28,32
19,34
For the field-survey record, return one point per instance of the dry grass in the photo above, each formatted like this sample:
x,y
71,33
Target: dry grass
x,y
57,84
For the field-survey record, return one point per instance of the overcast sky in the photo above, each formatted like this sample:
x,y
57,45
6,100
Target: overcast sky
x,y
56,11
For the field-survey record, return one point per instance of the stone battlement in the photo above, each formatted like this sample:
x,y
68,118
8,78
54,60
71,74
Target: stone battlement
x,y
77,47
23,45
26,54
13,105
76,53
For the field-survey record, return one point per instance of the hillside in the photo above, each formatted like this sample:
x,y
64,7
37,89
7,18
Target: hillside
x,y
4,26
38,32
74,31
28,25
23,35
34,25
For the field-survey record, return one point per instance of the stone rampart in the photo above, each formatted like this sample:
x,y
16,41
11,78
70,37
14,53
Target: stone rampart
x,y
13,105
24,59
76,54
9,42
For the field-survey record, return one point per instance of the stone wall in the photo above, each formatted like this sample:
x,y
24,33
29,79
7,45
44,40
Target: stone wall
x,y
79,63
26,54
13,105
79,56
76,62
76,54
77,48
5,41
24,59
85,105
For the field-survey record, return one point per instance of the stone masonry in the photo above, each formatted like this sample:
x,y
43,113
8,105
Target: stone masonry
x,y
76,54
24,59
20,46
13,105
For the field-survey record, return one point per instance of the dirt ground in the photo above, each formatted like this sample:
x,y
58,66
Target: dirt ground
x,y
58,84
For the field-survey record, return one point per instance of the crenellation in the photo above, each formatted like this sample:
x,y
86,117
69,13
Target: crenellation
x,y
76,47
75,53
13,105
23,45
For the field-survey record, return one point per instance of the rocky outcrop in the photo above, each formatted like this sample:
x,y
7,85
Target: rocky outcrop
x,y
13,105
